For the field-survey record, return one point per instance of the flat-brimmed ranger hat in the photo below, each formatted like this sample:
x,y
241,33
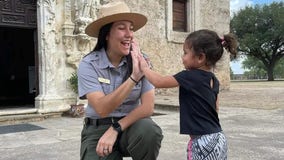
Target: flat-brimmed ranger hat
x,y
113,12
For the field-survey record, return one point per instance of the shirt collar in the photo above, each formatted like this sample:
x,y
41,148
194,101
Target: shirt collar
x,y
104,61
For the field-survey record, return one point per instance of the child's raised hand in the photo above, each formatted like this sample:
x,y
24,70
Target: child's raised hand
x,y
143,63
136,72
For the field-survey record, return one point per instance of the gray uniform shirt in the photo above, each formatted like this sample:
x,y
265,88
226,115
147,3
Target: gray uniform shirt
x,y
97,74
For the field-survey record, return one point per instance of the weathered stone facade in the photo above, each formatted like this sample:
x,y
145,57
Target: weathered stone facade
x,y
62,42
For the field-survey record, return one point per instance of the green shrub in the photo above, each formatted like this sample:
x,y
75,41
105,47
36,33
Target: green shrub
x,y
73,80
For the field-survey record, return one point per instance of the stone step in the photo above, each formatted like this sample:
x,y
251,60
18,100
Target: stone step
x,y
24,118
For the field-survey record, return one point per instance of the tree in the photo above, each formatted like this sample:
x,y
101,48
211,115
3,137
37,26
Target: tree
x,y
279,69
260,32
256,69
231,73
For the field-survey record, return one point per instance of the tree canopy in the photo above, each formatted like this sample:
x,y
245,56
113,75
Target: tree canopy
x,y
260,32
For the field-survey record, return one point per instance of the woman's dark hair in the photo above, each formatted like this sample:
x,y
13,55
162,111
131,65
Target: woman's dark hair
x,y
208,42
102,43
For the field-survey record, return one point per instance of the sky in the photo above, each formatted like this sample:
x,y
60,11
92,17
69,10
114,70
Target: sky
x,y
236,5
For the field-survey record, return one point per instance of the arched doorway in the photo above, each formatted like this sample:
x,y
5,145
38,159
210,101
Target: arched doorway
x,y
18,53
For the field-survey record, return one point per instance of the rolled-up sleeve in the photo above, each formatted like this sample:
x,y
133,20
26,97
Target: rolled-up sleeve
x,y
146,86
87,79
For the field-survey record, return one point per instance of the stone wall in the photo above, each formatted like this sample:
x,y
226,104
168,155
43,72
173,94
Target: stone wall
x,y
164,46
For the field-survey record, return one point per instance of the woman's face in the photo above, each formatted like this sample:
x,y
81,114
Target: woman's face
x,y
120,37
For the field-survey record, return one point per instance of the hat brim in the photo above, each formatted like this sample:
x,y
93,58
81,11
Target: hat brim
x,y
137,19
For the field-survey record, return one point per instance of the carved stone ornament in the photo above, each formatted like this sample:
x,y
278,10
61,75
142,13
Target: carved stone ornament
x,y
76,42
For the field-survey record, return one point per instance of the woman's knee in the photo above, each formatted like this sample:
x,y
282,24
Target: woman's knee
x,y
147,131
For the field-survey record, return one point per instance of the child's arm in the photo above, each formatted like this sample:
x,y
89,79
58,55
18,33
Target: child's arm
x,y
155,78
217,104
158,80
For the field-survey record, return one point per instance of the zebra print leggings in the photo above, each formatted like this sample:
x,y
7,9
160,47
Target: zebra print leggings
x,y
208,147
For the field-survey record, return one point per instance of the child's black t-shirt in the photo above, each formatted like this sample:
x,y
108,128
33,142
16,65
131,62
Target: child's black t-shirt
x,y
198,115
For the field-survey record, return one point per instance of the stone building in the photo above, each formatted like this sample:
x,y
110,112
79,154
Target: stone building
x,y
42,42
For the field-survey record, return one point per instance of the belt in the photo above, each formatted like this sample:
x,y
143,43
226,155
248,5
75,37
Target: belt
x,y
102,121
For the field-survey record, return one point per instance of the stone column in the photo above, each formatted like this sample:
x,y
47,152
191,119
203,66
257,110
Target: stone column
x,y
49,99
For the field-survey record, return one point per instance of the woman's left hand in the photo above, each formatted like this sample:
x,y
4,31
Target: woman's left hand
x,y
106,142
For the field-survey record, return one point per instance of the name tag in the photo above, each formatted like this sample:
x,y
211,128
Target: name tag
x,y
103,80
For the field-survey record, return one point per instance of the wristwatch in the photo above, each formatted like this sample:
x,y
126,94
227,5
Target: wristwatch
x,y
116,126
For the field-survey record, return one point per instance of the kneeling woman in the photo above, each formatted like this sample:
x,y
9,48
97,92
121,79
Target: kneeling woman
x,y
120,101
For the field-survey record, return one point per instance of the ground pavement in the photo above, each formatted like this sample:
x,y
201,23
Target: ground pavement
x,y
252,134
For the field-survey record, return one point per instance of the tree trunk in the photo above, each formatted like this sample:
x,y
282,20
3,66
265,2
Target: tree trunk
x,y
270,74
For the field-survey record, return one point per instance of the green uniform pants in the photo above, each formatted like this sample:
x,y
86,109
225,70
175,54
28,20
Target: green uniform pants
x,y
141,141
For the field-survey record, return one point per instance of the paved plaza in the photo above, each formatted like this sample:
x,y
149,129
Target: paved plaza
x,y
252,134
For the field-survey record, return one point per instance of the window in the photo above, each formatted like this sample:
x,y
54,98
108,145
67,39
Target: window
x,y
179,15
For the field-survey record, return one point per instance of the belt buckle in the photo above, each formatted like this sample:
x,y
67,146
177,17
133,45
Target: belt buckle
x,y
112,120
86,121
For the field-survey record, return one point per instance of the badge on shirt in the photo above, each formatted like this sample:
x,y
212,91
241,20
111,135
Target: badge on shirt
x,y
103,80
